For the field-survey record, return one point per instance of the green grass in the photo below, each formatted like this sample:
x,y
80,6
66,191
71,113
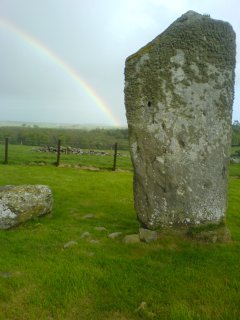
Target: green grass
x,y
173,278
234,170
27,155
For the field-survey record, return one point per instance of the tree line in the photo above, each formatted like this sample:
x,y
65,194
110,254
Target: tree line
x,y
236,133
80,138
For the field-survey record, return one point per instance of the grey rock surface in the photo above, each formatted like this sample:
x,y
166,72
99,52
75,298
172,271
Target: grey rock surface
x,y
131,238
179,92
147,235
21,203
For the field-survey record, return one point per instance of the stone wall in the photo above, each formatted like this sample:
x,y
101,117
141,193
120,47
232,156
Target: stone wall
x,y
178,96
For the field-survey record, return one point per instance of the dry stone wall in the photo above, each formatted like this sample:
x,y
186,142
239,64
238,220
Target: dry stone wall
x,y
179,91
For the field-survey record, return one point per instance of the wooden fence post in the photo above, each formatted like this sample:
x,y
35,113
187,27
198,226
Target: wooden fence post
x,y
6,151
58,153
115,156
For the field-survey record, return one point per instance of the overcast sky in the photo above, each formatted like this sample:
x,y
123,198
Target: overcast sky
x,y
62,61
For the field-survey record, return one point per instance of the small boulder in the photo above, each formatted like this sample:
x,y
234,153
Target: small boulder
x,y
70,244
114,235
21,203
85,235
147,235
94,241
88,216
131,238
100,229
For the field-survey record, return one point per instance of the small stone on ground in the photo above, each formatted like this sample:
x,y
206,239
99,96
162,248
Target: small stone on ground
x,y
147,235
131,238
94,241
85,234
89,216
100,229
114,235
70,244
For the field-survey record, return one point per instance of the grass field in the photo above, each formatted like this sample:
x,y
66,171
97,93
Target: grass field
x,y
173,278
27,155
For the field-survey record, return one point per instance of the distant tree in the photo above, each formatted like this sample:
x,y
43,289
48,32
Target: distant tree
x,y
81,138
236,133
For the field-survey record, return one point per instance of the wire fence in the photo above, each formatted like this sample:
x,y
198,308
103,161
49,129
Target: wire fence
x,y
64,156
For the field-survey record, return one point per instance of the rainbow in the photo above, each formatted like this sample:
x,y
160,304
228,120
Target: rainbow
x,y
40,47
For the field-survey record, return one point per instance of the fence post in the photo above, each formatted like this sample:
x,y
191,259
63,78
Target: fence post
x,y
115,156
6,151
58,153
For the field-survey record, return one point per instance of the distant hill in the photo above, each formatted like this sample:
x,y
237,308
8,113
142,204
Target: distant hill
x,y
56,125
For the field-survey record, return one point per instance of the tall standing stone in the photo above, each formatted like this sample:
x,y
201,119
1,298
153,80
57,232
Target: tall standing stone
x,y
178,94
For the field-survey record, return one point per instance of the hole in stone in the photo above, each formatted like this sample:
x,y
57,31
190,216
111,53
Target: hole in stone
x,y
149,104
164,150
207,185
181,143
163,189
163,126
223,171
204,113
147,201
202,156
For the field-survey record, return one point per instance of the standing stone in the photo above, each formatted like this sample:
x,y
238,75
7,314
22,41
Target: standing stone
x,y
178,97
